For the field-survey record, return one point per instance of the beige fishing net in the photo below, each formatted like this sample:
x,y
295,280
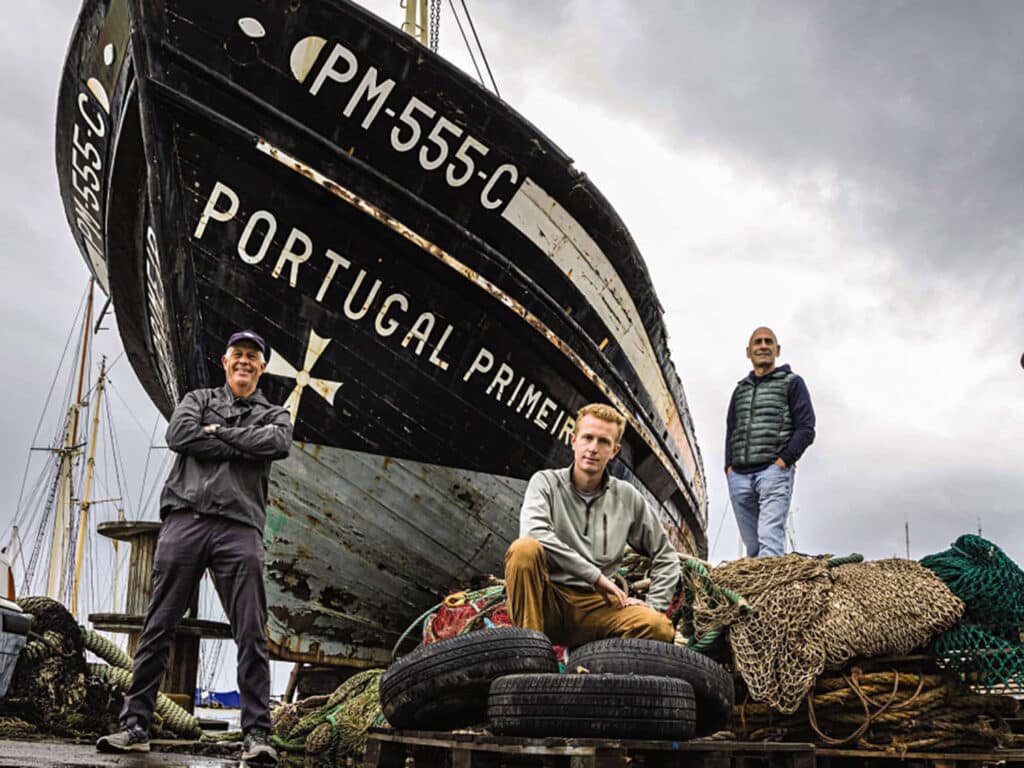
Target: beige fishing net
x,y
808,614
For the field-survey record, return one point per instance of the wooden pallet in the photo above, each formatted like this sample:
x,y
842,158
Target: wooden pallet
x,y
429,749
850,758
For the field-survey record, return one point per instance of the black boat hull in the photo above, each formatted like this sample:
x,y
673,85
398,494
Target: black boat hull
x,y
441,290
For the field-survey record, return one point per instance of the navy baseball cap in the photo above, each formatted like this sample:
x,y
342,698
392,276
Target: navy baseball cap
x,y
253,338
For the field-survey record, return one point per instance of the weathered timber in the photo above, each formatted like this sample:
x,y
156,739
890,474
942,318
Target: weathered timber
x,y
427,749
392,749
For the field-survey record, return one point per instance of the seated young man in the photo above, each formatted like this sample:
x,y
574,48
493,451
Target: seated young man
x,y
574,526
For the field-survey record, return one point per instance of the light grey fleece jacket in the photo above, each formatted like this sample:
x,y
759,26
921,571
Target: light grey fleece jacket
x,y
584,539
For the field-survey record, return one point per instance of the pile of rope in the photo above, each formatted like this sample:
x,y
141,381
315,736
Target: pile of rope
x,y
55,691
893,711
51,690
800,615
331,729
986,649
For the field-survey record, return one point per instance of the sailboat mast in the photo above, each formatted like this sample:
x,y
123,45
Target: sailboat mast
x,y
61,539
413,26
61,514
83,517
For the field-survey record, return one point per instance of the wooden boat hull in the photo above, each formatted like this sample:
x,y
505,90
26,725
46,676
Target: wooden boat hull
x,y
440,287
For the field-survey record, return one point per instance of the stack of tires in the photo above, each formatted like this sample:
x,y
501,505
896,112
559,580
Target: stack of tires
x,y
508,678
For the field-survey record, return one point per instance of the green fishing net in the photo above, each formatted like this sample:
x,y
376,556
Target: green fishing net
x,y
986,649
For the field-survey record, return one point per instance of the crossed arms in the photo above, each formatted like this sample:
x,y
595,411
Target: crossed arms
x,y
211,442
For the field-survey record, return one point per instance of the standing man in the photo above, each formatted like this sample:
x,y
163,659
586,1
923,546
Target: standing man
x,y
574,527
769,426
213,508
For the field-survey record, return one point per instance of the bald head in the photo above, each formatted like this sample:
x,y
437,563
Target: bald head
x,y
764,330
762,350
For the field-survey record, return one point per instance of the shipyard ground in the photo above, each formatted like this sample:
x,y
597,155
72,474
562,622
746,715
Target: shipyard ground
x,y
64,754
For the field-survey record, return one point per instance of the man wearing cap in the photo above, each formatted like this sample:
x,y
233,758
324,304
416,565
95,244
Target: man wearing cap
x,y
213,507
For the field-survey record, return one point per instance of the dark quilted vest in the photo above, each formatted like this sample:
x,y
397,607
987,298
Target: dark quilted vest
x,y
763,424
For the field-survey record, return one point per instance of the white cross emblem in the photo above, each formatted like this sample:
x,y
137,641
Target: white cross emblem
x,y
278,366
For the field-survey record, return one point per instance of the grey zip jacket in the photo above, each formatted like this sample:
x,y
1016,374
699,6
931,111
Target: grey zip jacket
x,y
584,539
224,472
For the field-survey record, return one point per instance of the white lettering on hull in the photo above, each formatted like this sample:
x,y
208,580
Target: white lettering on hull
x,y
87,176
357,295
442,143
345,194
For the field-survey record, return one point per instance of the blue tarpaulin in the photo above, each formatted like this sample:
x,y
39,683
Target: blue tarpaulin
x,y
226,699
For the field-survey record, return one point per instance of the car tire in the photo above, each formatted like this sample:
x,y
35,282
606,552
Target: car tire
x,y
444,685
712,683
594,706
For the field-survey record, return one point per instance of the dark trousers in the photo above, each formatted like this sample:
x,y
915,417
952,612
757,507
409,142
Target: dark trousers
x,y
187,546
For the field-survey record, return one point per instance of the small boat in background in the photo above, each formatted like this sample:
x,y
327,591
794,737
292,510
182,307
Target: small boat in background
x,y
441,288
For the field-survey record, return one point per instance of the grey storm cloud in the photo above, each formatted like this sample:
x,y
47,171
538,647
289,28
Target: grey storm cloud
x,y
913,108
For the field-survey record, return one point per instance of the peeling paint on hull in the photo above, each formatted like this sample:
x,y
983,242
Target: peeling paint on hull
x,y
440,287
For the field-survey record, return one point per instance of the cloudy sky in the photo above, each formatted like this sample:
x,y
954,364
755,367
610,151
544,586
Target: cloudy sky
x,y
850,174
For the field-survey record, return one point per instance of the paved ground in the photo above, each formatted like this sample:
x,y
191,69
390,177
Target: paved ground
x,y
57,754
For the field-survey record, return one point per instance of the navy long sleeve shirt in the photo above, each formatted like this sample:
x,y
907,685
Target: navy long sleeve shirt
x,y
801,412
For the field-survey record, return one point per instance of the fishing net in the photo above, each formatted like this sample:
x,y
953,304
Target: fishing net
x,y
462,612
799,615
986,650
883,608
331,729
57,692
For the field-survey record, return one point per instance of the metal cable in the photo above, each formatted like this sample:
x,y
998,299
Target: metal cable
x,y
479,46
469,48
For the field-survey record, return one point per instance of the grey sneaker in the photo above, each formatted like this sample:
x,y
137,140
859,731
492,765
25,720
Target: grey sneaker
x,y
256,748
131,738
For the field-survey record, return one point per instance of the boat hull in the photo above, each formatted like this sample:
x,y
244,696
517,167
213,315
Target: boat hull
x,y
440,288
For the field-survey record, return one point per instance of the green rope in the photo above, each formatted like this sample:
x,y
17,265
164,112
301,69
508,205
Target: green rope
x,y
835,562
418,620
490,593
105,649
174,717
683,617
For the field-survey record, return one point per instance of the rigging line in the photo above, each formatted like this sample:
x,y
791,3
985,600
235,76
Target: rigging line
x,y
46,404
26,517
156,484
115,361
478,45
149,454
469,48
725,511
115,390
118,462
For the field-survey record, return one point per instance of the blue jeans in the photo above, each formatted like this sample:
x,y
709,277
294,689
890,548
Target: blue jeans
x,y
760,502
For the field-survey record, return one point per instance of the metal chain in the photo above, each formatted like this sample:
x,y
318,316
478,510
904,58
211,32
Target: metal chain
x,y
435,24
